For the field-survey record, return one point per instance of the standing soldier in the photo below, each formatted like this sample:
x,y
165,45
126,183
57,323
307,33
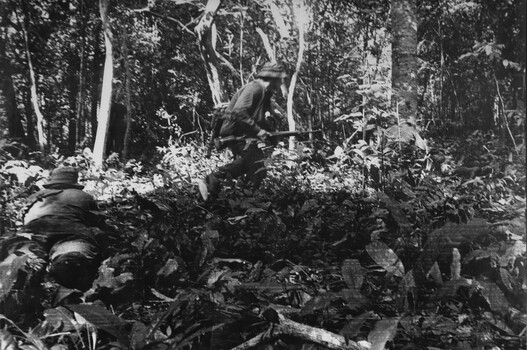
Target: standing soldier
x,y
246,117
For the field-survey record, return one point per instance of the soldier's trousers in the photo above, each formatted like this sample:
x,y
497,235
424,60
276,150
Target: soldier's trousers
x,y
72,256
248,162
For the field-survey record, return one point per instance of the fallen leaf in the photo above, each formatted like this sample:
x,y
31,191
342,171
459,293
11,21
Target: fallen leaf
x,y
494,297
353,273
352,328
385,257
383,332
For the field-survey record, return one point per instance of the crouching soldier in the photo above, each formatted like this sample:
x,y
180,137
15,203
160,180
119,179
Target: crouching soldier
x,y
65,228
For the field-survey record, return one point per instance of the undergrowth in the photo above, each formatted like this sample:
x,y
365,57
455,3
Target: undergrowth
x,y
329,240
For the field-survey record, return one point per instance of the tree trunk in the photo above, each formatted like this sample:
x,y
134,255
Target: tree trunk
x,y
95,83
103,116
404,57
299,9
72,96
7,91
30,141
267,45
207,42
72,122
14,123
128,77
42,140
79,113
241,45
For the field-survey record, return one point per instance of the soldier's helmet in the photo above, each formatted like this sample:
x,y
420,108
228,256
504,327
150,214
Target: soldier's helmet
x,y
272,70
66,176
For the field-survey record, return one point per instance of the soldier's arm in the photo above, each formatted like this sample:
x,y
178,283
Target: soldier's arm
x,y
244,108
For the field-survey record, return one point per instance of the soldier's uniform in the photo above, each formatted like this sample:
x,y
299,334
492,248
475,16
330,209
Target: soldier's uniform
x,y
62,226
245,116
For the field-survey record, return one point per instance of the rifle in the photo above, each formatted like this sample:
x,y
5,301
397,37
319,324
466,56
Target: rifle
x,y
222,142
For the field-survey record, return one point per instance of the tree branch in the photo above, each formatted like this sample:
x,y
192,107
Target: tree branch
x,y
172,19
300,331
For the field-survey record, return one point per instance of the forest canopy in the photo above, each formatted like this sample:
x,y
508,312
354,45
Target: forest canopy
x,y
395,221
459,66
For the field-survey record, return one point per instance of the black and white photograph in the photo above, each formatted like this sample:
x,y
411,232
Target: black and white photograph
x,y
263,174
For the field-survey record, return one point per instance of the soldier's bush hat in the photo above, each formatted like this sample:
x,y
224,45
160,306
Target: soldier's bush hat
x,y
272,70
64,176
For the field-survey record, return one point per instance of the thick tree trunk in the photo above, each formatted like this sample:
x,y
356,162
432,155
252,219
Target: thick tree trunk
x,y
205,32
103,116
404,57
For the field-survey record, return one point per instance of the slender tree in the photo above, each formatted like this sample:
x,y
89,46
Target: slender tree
x,y
103,117
128,78
206,33
42,139
302,18
79,113
15,128
404,57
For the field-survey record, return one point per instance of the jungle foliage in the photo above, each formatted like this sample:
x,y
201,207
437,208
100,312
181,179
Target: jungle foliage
x,y
389,231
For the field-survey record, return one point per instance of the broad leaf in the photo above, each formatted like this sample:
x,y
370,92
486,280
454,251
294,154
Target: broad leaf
x,y
9,269
494,297
170,267
353,273
396,211
7,341
353,298
352,328
385,257
383,332
60,319
103,319
319,302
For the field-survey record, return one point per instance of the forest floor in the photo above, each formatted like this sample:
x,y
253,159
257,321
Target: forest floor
x,y
322,256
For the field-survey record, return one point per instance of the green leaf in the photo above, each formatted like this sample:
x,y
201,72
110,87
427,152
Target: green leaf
x,y
352,328
103,319
383,332
385,257
60,319
7,341
494,297
9,269
396,211
319,302
353,273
